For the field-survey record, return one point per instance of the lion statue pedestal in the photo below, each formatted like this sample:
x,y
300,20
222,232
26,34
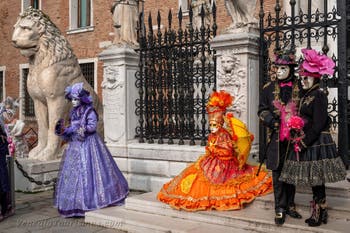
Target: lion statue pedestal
x,y
52,67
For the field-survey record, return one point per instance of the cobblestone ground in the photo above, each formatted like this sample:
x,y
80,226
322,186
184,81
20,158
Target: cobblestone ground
x,y
36,214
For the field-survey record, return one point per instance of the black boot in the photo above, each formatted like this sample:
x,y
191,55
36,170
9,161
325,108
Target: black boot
x,y
319,214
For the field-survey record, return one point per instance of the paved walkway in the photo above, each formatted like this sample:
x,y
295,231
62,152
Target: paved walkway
x,y
35,213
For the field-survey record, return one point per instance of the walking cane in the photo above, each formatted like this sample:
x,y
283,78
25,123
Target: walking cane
x,y
265,152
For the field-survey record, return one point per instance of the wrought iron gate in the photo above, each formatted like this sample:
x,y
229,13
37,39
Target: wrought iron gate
x,y
307,27
177,72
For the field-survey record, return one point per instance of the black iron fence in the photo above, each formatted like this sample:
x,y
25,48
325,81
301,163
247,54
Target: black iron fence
x,y
324,27
177,73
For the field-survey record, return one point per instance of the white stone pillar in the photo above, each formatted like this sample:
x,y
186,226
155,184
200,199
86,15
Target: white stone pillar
x,y
238,73
119,94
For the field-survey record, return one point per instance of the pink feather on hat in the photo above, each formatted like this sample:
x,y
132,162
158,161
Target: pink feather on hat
x,y
316,64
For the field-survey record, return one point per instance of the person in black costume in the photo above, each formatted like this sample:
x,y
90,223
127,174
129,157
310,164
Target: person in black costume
x,y
5,190
277,98
317,161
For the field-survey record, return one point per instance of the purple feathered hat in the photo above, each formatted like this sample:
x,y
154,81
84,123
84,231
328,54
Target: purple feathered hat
x,y
76,91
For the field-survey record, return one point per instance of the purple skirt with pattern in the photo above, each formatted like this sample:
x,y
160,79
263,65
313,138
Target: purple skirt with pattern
x,y
89,178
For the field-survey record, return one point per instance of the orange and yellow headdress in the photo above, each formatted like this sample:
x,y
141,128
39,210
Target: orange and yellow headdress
x,y
217,104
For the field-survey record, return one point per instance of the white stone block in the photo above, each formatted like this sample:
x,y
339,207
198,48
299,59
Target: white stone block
x,y
146,183
39,171
149,167
122,164
175,168
157,183
165,152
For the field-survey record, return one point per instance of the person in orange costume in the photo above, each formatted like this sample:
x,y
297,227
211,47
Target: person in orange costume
x,y
220,179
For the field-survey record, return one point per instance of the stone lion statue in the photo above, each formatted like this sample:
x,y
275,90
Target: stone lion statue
x,y
242,12
52,67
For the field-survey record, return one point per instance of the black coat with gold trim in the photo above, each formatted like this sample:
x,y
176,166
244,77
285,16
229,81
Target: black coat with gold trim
x,y
313,109
318,161
270,117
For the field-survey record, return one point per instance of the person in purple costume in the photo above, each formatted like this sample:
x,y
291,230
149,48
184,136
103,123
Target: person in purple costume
x,y
89,178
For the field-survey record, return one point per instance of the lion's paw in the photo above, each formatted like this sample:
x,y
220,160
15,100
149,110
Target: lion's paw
x,y
35,152
47,154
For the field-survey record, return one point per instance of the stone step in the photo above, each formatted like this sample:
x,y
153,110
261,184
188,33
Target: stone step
x,y
254,215
338,207
170,220
138,222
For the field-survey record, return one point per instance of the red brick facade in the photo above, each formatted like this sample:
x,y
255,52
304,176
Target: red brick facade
x,y
85,44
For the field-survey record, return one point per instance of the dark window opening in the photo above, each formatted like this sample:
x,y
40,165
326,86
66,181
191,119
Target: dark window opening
x,y
28,104
88,70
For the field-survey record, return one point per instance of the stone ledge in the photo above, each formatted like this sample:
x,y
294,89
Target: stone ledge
x,y
131,221
155,216
161,168
253,215
166,152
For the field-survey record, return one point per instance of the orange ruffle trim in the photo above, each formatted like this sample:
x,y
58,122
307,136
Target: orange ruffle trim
x,y
192,191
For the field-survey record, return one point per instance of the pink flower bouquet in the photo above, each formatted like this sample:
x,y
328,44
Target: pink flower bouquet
x,y
295,125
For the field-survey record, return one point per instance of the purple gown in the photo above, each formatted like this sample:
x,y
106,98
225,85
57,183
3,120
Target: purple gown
x,y
89,178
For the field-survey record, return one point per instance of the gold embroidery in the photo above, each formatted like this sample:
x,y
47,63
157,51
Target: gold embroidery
x,y
166,192
266,85
186,183
305,96
308,100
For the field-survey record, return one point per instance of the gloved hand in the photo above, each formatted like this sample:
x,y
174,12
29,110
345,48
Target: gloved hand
x,y
59,127
71,129
274,124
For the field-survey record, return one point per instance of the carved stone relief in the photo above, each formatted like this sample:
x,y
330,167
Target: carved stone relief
x,y
113,96
232,79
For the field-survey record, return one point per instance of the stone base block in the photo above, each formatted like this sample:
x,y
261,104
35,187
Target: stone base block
x,y
39,171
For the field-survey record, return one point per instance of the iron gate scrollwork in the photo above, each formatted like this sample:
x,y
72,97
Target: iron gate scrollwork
x,y
177,71
323,27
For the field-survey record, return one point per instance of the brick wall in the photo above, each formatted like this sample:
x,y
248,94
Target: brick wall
x,y
85,45
223,17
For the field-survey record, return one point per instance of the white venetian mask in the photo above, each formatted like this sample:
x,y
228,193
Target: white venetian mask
x,y
282,72
307,82
75,102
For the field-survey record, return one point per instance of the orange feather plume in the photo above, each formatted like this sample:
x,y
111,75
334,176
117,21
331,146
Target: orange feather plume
x,y
219,101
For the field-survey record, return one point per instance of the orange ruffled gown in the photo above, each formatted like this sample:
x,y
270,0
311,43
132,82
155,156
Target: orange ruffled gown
x,y
215,181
